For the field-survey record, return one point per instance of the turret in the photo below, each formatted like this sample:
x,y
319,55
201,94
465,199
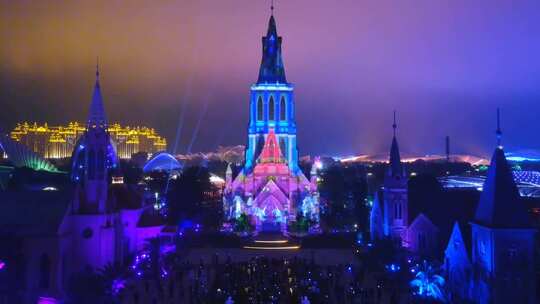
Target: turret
x,y
272,69
503,238
93,158
395,193
272,104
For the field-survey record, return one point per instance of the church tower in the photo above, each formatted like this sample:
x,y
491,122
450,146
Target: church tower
x,y
272,104
395,193
271,190
93,158
503,240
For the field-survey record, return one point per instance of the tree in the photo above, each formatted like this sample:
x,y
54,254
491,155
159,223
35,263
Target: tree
x,y
242,224
428,284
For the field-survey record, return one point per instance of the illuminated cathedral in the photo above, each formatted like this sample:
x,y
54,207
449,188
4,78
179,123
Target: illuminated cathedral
x,y
270,189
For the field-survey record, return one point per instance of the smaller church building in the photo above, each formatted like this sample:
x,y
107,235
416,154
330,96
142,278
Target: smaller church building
x,y
494,264
92,224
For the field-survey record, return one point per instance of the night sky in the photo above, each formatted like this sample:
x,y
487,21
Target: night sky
x,y
443,65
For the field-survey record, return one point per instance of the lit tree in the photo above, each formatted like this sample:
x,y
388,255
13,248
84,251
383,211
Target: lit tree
x,y
428,284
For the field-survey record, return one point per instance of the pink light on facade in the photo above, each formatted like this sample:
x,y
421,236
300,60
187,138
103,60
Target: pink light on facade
x,y
47,300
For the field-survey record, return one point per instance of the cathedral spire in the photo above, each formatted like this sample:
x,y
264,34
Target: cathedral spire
x,y
272,69
396,168
96,115
500,204
499,132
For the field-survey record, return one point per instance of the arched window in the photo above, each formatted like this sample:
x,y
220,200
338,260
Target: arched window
x,y
283,146
44,271
271,109
260,108
282,109
91,164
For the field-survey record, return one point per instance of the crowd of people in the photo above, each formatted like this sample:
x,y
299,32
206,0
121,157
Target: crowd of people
x,y
261,280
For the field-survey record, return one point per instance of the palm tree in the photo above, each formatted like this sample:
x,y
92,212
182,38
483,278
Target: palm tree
x,y
428,284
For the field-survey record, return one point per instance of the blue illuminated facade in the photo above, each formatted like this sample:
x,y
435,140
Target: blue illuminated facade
x,y
272,104
503,240
93,158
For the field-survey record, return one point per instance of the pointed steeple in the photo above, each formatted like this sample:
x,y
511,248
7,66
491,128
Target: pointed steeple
x,y
96,115
499,132
396,167
271,153
272,69
456,246
500,205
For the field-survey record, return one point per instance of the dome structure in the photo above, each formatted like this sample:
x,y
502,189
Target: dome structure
x,y
162,161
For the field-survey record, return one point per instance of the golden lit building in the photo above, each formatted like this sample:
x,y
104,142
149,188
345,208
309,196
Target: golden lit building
x,y
59,141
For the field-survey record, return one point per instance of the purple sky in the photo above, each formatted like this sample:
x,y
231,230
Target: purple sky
x,y
443,65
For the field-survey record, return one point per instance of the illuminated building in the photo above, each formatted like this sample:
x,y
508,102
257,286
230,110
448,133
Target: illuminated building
x,y
271,190
389,215
99,221
105,221
59,141
272,104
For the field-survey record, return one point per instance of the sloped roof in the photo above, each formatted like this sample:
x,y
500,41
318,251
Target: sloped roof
x,y
33,213
396,167
442,206
96,114
272,69
500,205
457,247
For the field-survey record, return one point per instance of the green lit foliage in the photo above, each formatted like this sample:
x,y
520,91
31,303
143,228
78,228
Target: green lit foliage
x,y
301,225
242,224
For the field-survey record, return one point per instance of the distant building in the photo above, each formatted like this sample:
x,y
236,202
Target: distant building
x,y
271,190
495,264
98,222
389,215
59,141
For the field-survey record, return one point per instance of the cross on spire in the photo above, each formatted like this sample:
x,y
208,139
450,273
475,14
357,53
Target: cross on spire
x,y
498,132
272,7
